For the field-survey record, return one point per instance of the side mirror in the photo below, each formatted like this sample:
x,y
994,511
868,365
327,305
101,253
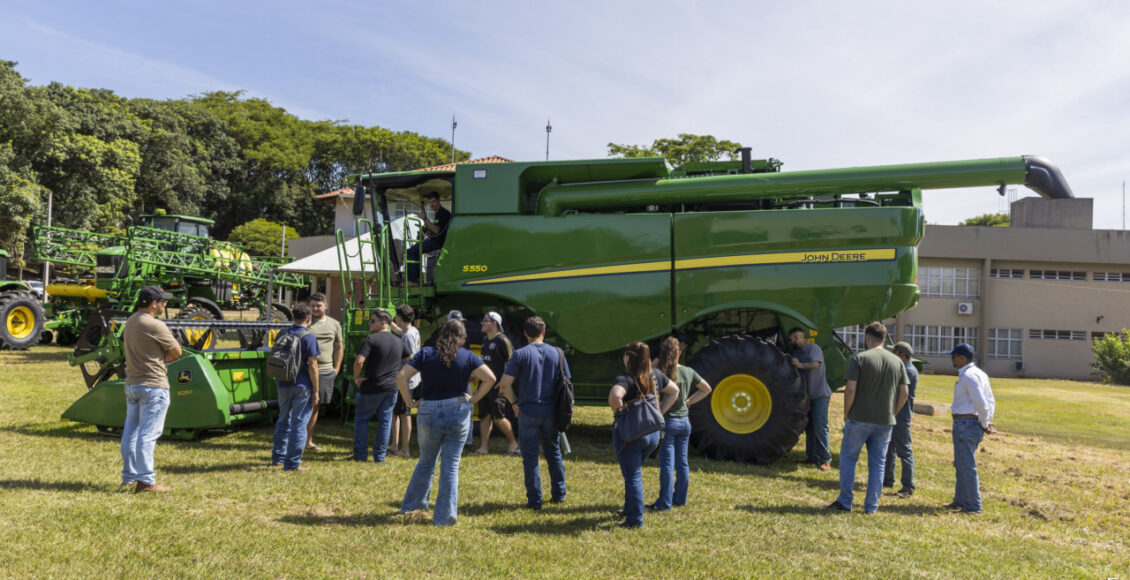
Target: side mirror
x,y
359,198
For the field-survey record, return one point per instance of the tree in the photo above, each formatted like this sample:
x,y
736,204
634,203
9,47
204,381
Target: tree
x,y
1112,357
684,149
19,203
995,220
261,237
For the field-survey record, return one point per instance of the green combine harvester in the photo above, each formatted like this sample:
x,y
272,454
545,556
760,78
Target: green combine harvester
x,y
211,387
727,256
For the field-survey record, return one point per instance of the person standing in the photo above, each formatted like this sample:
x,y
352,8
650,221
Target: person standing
x,y
327,331
638,380
438,231
673,462
402,324
496,350
973,408
530,385
900,435
445,418
296,399
876,387
149,346
380,357
808,358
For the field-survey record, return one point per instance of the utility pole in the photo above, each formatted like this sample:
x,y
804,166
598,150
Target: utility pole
x,y
548,129
453,126
1123,204
47,265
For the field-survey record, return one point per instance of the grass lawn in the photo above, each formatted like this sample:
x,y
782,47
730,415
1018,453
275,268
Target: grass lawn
x,y
1055,483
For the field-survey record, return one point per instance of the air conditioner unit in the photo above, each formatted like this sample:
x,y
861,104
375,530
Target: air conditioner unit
x,y
965,308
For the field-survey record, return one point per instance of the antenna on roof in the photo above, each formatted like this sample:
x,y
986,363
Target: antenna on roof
x,y
548,129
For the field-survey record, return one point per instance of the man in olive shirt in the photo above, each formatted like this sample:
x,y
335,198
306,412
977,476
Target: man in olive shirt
x,y
876,388
148,347
328,332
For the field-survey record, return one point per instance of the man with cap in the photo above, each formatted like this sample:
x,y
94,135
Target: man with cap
x,y
148,346
900,435
809,360
496,351
973,407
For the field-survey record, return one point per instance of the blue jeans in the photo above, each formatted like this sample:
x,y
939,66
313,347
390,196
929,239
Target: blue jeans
x,y
816,447
412,271
290,431
364,407
856,435
967,435
145,419
673,463
900,447
442,427
534,431
631,458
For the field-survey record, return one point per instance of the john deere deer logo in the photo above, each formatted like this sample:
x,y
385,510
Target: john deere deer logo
x,y
184,376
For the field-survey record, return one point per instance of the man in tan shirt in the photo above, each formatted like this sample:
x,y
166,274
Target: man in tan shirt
x,y
149,346
328,332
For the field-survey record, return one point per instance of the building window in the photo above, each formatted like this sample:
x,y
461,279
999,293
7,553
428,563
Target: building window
x,y
1005,342
853,336
937,340
1058,275
1112,276
1006,273
938,282
1057,334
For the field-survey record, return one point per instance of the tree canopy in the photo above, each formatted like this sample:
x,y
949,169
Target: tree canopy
x,y
683,149
988,219
220,155
261,237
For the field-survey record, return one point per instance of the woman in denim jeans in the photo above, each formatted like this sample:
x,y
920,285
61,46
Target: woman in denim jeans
x,y
443,417
673,462
639,380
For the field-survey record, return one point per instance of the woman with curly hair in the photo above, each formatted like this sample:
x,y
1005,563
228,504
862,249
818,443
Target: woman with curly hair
x,y
673,462
443,417
638,380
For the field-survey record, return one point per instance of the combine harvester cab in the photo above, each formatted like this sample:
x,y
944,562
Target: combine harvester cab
x,y
726,256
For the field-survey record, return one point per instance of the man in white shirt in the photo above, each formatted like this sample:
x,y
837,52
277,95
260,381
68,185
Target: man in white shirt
x,y
973,407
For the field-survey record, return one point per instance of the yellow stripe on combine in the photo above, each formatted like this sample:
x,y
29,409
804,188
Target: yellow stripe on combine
x,y
818,257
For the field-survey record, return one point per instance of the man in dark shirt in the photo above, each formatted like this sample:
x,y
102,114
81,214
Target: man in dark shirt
x,y
533,368
496,351
876,388
296,400
900,435
375,368
437,229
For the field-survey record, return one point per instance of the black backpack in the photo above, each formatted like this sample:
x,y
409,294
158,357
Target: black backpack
x,y
286,359
563,408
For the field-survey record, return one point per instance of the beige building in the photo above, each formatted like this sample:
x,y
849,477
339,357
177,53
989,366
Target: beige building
x,y
1029,297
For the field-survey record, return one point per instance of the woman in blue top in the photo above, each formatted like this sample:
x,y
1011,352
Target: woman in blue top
x,y
639,380
673,462
443,418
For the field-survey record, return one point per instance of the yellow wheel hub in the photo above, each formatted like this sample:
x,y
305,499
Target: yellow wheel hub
x,y
741,404
21,322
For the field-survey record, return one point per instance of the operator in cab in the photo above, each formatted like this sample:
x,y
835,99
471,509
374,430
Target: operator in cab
x,y
438,233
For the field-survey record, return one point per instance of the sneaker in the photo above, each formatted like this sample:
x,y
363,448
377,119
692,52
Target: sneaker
x,y
625,524
653,507
836,506
904,492
824,467
149,487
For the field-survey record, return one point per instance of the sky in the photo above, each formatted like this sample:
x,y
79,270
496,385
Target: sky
x,y
816,84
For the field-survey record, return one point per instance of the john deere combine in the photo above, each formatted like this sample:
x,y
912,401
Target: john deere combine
x,y
727,256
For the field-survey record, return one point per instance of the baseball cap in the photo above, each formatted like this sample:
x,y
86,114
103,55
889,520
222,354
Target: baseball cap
x,y
903,347
962,349
496,317
150,294
454,315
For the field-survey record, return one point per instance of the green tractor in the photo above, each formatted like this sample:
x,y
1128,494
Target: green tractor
x,y
21,314
727,256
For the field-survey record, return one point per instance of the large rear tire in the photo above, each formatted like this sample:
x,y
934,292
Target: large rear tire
x,y
194,338
21,320
758,406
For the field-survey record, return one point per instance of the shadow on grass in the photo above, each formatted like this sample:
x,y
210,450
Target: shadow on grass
x,y
549,526
900,509
37,485
217,468
63,431
36,356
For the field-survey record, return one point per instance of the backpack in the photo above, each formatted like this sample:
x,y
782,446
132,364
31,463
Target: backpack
x,y
286,360
563,408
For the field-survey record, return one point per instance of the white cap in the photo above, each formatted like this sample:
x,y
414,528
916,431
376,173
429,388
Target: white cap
x,y
496,317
